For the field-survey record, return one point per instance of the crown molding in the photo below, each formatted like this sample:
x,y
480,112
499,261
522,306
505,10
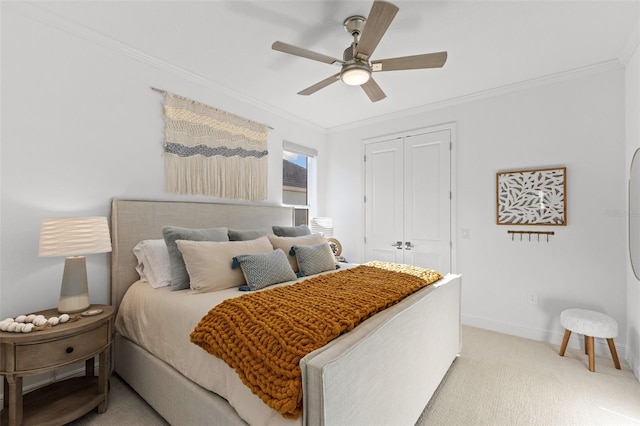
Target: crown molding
x,y
484,94
631,44
32,11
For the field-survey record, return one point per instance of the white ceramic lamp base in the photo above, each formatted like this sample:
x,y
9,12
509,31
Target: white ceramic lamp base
x,y
74,293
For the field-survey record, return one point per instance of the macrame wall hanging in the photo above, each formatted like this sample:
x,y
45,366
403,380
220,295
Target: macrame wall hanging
x,y
212,152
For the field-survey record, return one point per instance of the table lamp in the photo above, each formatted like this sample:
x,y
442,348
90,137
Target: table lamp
x,y
322,225
74,237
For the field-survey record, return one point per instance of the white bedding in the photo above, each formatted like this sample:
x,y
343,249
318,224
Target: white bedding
x,y
161,320
383,372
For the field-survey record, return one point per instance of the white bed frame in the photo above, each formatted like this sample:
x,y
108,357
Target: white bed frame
x,y
394,360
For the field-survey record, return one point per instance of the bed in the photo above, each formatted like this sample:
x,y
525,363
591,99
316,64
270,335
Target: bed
x,y
382,372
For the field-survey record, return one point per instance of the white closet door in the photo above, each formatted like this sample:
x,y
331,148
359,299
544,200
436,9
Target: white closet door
x,y
407,189
427,183
384,201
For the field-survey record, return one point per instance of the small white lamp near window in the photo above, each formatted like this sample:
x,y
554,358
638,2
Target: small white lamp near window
x,y
74,237
324,226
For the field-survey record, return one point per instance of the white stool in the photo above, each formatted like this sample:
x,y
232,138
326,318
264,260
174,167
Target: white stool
x,y
590,324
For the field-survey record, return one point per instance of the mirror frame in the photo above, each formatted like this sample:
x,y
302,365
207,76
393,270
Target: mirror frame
x,y
633,213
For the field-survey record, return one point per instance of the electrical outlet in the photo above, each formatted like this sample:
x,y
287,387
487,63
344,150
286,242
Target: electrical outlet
x,y
532,298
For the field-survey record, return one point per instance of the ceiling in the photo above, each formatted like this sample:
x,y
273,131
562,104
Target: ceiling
x,y
491,45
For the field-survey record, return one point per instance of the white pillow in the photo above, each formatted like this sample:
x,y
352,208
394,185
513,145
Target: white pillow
x,y
154,265
209,262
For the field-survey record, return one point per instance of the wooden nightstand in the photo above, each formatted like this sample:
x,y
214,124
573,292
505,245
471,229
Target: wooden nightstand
x,y
24,354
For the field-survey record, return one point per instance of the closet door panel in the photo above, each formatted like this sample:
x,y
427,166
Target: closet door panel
x,y
384,200
423,192
427,203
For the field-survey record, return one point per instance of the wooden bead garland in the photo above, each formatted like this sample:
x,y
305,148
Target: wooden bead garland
x,y
32,322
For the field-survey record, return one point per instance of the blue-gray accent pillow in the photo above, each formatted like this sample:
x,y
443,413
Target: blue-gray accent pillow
x,y
291,231
248,234
171,234
264,269
314,259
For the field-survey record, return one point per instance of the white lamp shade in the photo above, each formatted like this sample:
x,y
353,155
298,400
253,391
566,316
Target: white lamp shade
x,y
72,236
322,225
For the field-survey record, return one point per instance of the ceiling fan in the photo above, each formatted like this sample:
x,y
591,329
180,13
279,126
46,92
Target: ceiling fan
x,y
356,65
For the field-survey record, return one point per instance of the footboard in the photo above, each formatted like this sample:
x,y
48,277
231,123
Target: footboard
x,y
386,369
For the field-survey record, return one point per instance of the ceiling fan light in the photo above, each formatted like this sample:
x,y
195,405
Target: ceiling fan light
x,y
355,75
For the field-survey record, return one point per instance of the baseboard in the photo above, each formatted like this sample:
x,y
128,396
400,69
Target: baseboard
x,y
552,337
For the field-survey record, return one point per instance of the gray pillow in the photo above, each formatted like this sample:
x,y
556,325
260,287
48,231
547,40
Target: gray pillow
x,y
171,234
264,269
249,234
291,231
314,259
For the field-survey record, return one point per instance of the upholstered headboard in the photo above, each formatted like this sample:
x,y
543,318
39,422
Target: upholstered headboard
x,y
133,221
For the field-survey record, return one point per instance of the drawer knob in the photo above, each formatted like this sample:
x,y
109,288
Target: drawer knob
x,y
69,349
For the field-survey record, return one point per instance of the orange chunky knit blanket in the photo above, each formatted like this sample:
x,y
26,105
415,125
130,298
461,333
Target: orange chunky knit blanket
x,y
264,335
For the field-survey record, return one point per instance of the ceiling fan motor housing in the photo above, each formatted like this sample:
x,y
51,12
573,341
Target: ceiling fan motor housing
x,y
348,53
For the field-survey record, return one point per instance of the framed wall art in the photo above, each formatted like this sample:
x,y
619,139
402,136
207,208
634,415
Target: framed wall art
x,y
532,197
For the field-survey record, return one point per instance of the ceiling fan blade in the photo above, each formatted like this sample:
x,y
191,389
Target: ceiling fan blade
x,y
380,17
428,60
304,53
320,85
373,91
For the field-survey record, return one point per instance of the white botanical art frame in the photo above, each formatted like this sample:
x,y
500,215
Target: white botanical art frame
x,y
532,197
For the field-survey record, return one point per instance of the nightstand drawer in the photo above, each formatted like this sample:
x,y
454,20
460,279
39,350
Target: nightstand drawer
x,y
65,350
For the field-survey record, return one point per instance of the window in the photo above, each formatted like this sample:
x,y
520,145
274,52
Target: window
x,y
294,179
297,177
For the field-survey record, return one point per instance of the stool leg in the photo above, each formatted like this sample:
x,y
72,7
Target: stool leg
x,y
565,340
590,352
614,354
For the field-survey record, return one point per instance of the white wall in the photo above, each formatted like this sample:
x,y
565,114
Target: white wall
x,y
577,123
632,90
81,126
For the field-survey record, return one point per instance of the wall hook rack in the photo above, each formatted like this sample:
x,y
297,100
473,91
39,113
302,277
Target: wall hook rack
x,y
529,233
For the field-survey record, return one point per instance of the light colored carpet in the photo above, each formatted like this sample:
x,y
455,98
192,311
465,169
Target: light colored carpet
x,y
506,380
497,380
126,408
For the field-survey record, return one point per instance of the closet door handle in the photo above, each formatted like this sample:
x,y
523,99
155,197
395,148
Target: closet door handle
x,y
409,246
397,245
